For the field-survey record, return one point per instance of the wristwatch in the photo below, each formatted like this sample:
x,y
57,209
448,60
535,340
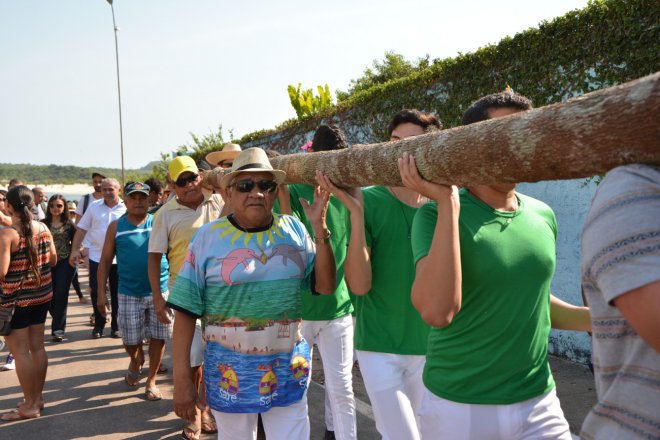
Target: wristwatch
x,y
323,239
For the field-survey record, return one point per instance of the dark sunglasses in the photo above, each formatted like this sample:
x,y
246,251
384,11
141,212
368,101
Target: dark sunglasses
x,y
247,185
181,182
3,199
57,205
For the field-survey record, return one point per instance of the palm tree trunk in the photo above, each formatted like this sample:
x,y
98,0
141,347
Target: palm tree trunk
x,y
578,138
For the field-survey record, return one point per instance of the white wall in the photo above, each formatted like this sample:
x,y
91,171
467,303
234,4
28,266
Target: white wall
x,y
570,200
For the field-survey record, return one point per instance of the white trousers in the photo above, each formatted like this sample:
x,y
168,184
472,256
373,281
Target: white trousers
x,y
395,389
280,423
537,418
334,339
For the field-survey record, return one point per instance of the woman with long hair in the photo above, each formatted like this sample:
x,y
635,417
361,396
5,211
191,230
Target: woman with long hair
x,y
62,230
27,253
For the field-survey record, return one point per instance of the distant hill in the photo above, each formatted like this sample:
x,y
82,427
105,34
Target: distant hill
x,y
66,174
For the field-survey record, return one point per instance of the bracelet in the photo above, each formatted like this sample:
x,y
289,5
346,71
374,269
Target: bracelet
x,y
325,239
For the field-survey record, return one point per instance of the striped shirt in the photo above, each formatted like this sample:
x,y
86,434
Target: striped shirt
x,y
620,253
20,282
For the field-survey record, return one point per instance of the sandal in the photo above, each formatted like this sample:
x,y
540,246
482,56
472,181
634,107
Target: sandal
x,y
22,402
17,414
132,378
153,394
190,432
208,424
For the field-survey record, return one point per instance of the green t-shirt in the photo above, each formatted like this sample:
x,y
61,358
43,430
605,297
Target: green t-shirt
x,y
325,307
386,321
495,351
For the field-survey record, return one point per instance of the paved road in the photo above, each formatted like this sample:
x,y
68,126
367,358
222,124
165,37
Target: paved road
x,y
86,396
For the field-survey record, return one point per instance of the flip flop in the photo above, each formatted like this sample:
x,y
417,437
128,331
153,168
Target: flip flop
x,y
190,432
153,394
16,414
41,405
132,378
208,424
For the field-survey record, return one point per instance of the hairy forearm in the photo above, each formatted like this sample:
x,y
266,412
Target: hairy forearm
x,y
436,292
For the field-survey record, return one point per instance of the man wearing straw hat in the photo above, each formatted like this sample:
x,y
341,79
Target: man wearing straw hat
x,y
243,274
225,157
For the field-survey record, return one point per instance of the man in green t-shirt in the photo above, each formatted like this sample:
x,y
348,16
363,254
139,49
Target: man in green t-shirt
x,y
485,257
390,336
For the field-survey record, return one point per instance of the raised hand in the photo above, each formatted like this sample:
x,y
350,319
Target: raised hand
x,y
412,180
351,197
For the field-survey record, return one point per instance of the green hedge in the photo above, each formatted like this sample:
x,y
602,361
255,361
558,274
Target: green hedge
x,y
606,43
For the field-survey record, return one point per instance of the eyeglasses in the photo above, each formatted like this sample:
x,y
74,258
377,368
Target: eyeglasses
x,y
247,185
59,205
3,199
181,182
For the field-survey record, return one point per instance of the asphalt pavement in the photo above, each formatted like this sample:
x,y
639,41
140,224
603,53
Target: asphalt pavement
x,y
86,396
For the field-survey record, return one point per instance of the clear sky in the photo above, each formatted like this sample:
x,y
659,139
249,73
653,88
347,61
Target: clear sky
x,y
189,66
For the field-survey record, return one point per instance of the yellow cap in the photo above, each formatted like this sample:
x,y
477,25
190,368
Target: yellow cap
x,y
180,165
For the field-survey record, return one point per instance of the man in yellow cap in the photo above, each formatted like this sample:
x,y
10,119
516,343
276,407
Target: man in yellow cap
x,y
174,225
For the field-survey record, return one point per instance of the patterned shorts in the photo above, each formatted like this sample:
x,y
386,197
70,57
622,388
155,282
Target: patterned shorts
x,y
137,320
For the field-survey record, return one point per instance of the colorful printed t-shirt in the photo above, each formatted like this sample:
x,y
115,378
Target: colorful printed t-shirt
x,y
495,351
247,288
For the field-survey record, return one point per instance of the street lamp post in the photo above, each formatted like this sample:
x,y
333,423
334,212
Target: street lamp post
x,y
121,131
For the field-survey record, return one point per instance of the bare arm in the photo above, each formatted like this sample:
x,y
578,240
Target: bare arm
x,y
52,251
162,311
565,316
185,394
284,197
5,220
357,267
436,292
107,255
641,308
6,238
324,267
78,238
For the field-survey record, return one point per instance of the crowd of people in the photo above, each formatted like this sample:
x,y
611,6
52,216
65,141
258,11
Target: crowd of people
x,y
440,293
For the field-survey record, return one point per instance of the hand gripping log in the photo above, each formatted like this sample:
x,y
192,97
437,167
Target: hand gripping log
x,y
582,137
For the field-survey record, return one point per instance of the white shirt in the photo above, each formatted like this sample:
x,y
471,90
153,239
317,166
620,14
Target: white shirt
x,y
95,222
79,211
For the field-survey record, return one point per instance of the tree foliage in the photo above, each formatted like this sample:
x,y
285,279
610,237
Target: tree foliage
x,y
197,149
393,66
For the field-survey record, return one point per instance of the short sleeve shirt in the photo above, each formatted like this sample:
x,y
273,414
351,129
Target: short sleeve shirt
x,y
620,253
247,288
95,222
175,224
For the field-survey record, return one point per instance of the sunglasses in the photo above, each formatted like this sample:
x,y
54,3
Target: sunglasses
x,y
181,182
225,165
58,205
247,185
3,199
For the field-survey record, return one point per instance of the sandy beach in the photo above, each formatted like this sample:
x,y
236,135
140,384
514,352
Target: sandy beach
x,y
73,189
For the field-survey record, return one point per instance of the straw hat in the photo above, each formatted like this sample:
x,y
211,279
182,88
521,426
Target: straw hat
x,y
252,160
229,151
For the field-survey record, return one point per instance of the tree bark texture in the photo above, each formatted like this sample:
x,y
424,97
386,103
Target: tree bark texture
x,y
582,137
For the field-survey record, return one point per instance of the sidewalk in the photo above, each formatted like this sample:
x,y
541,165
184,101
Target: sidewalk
x,y
86,396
